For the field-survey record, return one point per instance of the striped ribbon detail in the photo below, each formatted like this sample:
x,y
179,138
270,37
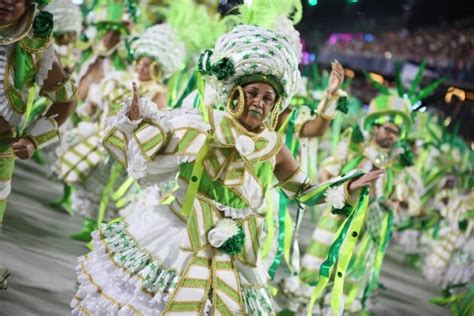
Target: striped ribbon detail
x,y
115,142
208,275
43,132
150,138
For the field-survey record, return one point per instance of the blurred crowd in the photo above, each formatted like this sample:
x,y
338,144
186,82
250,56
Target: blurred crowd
x,y
447,50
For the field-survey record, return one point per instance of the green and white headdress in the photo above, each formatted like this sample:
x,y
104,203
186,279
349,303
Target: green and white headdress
x,y
161,43
67,16
396,106
248,54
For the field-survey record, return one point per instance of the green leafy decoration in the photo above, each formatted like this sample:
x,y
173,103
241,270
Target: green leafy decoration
x,y
419,76
398,79
425,92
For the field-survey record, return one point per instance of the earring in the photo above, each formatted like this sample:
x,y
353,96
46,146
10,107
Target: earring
x,y
155,72
275,114
235,106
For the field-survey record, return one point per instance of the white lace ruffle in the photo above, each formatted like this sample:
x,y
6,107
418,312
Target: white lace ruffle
x,y
103,286
46,64
104,282
13,118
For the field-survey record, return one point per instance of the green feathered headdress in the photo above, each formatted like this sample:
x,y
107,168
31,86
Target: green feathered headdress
x,y
264,13
195,25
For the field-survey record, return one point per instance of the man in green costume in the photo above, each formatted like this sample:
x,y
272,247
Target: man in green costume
x,y
388,121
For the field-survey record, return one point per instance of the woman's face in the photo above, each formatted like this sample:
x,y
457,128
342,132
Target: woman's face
x,y
147,69
144,69
259,101
11,11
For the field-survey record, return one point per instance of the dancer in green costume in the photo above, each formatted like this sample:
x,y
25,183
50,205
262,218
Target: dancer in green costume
x,y
28,67
389,120
198,253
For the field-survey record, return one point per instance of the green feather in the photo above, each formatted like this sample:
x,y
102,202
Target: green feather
x,y
416,82
398,79
357,137
196,26
265,12
425,92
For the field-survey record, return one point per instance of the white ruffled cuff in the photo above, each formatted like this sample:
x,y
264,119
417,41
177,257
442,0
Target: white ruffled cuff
x,y
339,196
46,64
335,197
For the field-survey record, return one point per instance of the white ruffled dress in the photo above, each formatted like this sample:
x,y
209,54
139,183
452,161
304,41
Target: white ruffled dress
x,y
156,261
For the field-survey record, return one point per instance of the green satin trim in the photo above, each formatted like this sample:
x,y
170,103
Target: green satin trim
x,y
288,238
316,195
345,256
118,62
20,68
336,132
333,254
352,164
107,192
119,196
29,107
388,188
358,269
270,228
283,202
195,179
386,235
201,86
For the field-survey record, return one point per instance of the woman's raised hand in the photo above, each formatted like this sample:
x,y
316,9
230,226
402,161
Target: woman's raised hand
x,y
336,78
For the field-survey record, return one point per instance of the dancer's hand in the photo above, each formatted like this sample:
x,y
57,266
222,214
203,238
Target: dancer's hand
x,y
23,148
134,112
336,78
367,180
